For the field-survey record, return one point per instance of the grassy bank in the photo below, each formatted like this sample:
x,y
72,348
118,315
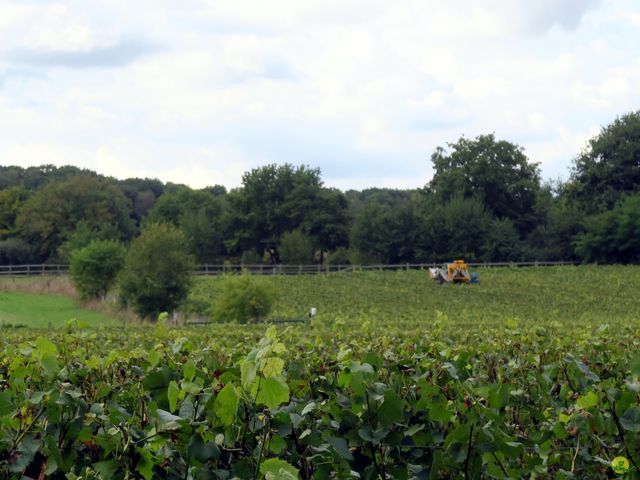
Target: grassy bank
x,y
45,310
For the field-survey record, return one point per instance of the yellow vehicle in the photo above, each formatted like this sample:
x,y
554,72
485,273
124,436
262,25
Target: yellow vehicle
x,y
455,272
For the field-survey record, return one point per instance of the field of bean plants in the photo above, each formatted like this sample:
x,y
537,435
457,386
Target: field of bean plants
x,y
533,373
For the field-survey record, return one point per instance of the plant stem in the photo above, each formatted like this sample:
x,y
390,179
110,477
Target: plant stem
x,y
469,446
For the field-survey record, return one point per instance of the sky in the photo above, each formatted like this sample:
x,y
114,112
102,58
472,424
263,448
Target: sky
x,y
201,91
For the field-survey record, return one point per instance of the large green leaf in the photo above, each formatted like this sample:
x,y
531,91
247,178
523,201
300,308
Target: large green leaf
x,y
226,403
173,390
167,421
271,392
341,447
6,405
631,419
391,410
587,401
50,365
202,451
189,370
277,469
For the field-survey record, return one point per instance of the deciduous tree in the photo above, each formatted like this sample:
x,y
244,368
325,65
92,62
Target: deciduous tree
x,y
495,171
609,167
158,270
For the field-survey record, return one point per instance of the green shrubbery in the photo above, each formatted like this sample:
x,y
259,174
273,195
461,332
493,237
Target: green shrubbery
x,y
296,248
158,271
243,298
95,267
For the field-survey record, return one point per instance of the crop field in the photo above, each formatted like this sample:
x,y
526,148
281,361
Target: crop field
x,y
533,373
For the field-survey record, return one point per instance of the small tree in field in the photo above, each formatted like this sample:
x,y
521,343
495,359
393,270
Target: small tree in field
x,y
95,267
243,298
158,271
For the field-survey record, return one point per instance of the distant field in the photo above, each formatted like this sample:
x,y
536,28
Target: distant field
x,y
42,310
565,294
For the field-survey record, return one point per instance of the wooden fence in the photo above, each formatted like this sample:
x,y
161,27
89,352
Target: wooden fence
x,y
62,269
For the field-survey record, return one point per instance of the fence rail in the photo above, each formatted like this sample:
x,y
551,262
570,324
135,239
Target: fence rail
x,y
39,269
62,269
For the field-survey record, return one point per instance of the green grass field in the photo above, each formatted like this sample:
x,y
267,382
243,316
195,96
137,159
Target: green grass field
x,y
44,310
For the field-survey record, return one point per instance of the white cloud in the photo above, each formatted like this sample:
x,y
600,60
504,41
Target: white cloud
x,y
364,90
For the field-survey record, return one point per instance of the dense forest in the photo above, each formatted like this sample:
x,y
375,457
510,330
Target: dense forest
x,y
486,201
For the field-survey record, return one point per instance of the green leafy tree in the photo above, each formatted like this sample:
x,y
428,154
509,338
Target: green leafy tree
x,y
142,194
560,222
84,234
496,172
243,298
94,268
453,230
385,234
11,200
277,199
15,251
34,178
51,216
612,236
158,270
200,215
501,242
328,223
609,167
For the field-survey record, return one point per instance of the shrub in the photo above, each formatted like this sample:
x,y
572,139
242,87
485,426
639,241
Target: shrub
x,y
243,298
158,271
296,248
95,267
341,256
251,257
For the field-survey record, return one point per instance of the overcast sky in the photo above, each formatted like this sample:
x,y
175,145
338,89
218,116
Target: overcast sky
x,y
200,91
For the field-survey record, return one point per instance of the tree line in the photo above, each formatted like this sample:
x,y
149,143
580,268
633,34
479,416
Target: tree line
x,y
485,201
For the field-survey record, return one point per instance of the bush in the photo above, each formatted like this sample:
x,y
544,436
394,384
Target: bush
x,y
251,257
158,271
341,256
95,267
243,298
296,248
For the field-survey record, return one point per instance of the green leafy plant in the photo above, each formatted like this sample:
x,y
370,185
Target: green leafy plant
x,y
296,248
95,267
243,298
